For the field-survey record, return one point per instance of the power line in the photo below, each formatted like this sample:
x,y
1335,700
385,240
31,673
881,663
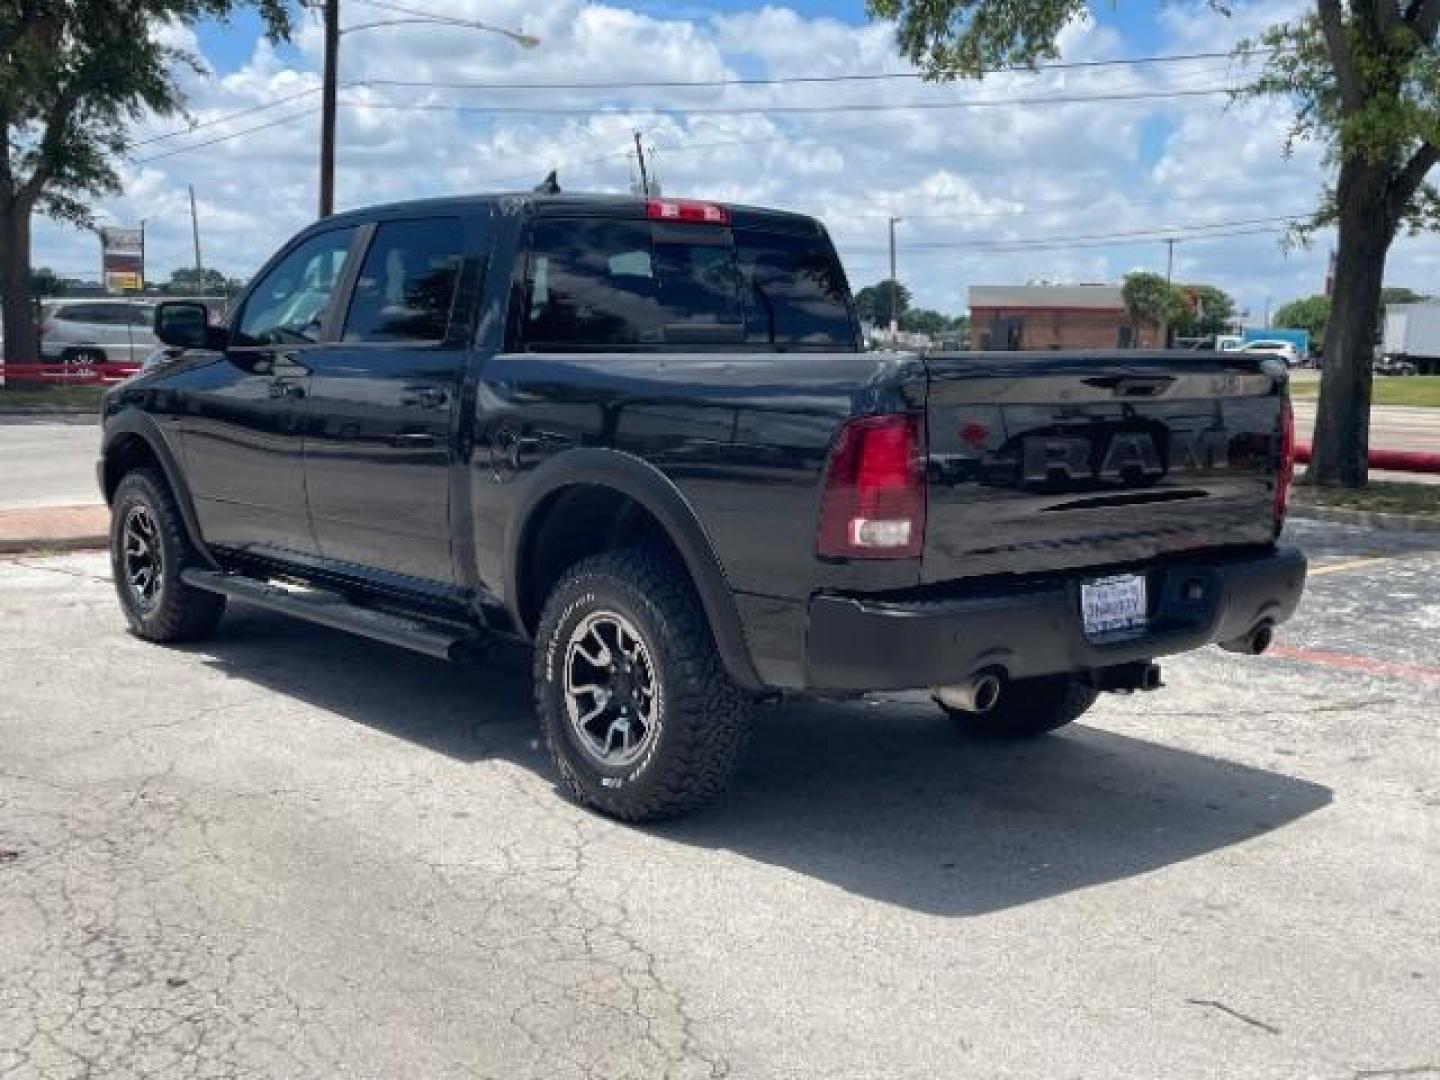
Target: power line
x,y
790,110
226,138
665,83
227,116
785,80
1063,245
1161,232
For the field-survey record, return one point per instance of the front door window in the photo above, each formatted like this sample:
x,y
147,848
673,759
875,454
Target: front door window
x,y
287,306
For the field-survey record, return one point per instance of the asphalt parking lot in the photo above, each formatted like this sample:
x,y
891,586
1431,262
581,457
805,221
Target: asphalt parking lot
x,y
289,853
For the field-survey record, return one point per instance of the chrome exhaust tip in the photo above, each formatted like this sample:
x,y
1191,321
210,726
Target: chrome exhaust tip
x,y
1254,643
979,695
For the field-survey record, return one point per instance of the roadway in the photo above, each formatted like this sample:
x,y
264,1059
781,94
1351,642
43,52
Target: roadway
x,y
46,461
1393,427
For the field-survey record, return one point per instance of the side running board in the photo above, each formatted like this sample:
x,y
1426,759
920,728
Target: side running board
x,y
327,609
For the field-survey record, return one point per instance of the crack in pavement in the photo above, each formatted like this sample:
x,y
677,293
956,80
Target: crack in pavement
x,y
1210,1003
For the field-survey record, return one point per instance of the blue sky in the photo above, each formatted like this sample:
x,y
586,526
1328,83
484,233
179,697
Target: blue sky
x,y
1040,177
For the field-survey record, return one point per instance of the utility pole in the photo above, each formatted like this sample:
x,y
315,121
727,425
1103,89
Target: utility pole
x,y
195,232
1169,272
327,108
894,285
640,156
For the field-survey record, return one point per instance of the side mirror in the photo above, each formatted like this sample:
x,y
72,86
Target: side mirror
x,y
184,324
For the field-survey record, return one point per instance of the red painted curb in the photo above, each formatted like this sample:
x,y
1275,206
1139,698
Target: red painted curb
x,y
62,374
1393,460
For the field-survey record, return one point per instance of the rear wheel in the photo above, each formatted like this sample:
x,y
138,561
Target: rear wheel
x,y
148,552
638,713
1029,707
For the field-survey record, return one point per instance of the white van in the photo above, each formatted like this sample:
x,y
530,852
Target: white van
x,y
96,331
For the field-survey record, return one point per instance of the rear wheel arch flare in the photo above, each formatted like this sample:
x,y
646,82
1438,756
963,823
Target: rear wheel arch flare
x,y
637,501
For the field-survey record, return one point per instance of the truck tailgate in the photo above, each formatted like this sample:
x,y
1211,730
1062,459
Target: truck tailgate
x,y
1048,461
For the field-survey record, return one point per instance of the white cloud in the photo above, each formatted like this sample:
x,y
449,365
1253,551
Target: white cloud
x,y
955,176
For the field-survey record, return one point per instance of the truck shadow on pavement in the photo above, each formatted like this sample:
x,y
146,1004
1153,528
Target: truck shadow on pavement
x,y
882,799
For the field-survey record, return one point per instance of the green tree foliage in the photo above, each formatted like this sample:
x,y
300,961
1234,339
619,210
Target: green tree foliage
x,y
1313,312
924,321
74,75
1207,310
1310,313
1398,295
1151,300
1363,79
45,282
188,281
873,302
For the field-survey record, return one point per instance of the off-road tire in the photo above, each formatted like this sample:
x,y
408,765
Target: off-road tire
x,y
703,719
179,612
1029,707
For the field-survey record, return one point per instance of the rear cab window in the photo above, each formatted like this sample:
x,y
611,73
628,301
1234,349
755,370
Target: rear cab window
x,y
620,284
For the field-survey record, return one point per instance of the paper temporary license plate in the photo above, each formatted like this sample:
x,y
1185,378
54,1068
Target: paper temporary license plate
x,y
1110,605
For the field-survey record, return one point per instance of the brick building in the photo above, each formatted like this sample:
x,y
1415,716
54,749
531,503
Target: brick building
x,y
1054,317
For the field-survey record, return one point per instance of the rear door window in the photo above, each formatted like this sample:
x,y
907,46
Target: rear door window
x,y
96,314
407,282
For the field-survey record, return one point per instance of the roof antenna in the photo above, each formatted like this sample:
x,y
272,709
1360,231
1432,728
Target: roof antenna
x,y
549,186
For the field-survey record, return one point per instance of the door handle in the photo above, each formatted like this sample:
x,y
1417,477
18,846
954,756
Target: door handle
x,y
280,389
431,397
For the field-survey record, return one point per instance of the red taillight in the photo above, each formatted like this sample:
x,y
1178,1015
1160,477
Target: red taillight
x,y
1285,467
873,506
41,329
687,210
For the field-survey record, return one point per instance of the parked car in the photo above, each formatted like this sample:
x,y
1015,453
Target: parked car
x,y
1390,365
96,331
1284,349
644,436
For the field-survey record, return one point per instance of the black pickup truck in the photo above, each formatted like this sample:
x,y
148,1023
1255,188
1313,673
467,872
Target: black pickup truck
x,y
643,435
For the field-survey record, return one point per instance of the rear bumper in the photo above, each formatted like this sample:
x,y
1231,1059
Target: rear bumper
x,y
1033,627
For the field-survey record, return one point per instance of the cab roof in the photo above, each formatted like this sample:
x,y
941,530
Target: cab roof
x,y
578,204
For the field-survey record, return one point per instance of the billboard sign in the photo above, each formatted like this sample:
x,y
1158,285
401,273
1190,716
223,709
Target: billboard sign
x,y
122,258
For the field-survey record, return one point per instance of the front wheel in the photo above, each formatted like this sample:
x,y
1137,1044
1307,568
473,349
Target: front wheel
x,y
148,552
638,713
1028,707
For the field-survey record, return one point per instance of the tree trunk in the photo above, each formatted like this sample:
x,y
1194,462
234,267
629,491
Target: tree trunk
x,y
21,344
1341,444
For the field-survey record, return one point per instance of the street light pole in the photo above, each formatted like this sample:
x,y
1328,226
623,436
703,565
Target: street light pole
x,y
195,234
327,108
332,77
